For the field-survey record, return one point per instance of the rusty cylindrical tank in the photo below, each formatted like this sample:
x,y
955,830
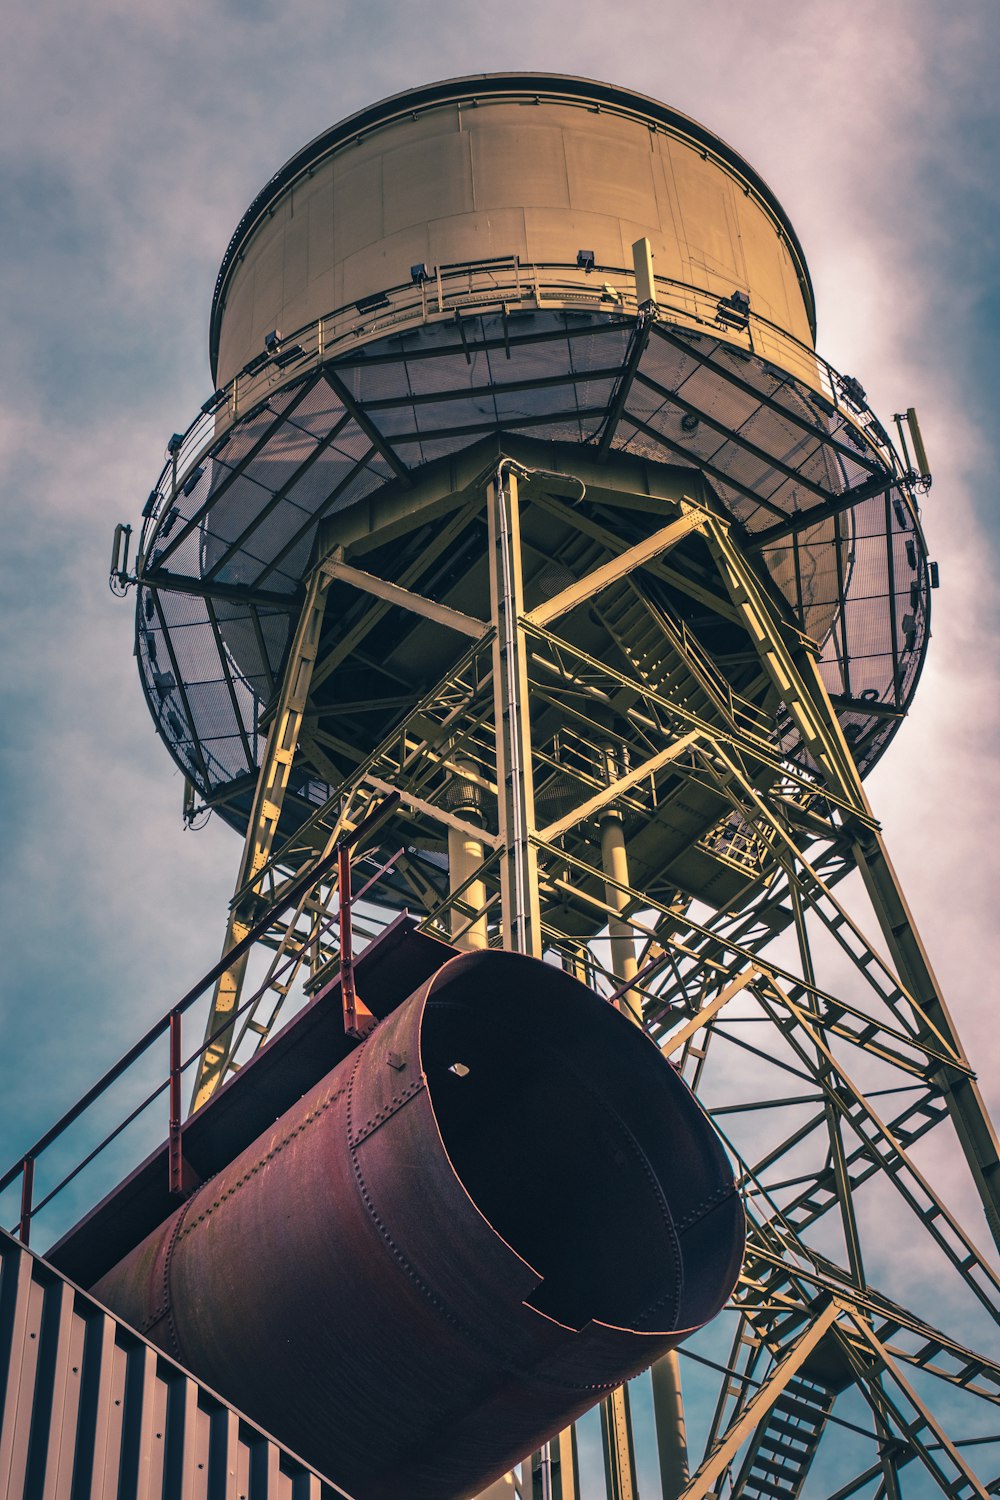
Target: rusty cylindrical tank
x,y
497,1208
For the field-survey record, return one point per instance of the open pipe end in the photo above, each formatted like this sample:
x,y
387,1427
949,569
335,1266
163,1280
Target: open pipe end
x,y
581,1146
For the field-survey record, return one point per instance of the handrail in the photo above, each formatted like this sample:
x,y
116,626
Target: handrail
x,y
167,1024
501,283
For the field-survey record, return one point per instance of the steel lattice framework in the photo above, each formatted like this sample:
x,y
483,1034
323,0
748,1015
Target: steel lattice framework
x,y
621,607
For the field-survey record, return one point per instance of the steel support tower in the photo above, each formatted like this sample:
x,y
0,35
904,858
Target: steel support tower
x,y
590,557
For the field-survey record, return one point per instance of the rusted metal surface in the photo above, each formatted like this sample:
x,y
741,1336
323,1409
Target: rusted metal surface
x,y
417,1272
304,1051
90,1411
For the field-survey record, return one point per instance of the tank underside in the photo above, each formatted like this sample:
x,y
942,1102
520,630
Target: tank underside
x,y
813,488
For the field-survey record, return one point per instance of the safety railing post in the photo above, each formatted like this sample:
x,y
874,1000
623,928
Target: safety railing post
x,y
175,1150
27,1190
347,991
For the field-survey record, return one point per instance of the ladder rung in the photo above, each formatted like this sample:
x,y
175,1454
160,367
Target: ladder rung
x,y
792,1406
776,1470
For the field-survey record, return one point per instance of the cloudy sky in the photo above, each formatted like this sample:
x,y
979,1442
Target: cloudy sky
x,y
133,136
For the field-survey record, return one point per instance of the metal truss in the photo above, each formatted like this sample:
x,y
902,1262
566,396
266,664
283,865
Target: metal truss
x,y
685,828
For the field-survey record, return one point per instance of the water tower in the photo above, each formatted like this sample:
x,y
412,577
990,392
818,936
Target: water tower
x,y
525,497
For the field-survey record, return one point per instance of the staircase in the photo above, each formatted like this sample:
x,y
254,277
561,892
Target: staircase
x,y
783,1447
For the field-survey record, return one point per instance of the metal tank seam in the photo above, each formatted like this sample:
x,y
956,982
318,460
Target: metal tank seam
x,y
457,1324
706,1205
165,1309
387,1111
309,1119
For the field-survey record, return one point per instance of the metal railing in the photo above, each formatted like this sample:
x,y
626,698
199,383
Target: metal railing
x,y
504,286
170,1025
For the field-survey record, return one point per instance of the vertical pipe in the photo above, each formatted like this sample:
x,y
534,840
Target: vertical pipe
x,y
614,862
465,855
616,1416
671,1433
668,1399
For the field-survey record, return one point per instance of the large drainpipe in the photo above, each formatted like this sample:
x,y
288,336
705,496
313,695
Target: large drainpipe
x,y
501,1205
668,1398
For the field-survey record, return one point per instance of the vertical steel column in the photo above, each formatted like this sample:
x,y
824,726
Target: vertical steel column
x,y
272,783
619,1452
27,1193
971,1120
965,1104
668,1399
838,1156
175,1151
521,912
553,1472
522,923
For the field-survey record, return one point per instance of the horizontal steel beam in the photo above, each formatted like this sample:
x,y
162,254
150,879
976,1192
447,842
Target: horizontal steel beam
x,y
393,593
619,567
619,787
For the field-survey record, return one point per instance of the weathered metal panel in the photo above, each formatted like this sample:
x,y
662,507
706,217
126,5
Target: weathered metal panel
x,y
534,171
91,1411
303,1052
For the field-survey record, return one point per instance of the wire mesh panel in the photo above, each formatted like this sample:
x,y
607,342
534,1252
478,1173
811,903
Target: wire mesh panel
x,y
232,530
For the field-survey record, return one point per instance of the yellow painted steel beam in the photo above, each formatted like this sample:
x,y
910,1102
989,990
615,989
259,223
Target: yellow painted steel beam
x,y
440,542
910,1431
683,1034
969,1115
793,668
619,787
719,603
392,593
522,923
449,820
886,1152
784,654
272,783
619,1450
705,1480
619,567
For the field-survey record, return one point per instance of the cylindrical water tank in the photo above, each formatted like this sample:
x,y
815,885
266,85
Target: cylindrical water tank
x,y
537,167
500,1206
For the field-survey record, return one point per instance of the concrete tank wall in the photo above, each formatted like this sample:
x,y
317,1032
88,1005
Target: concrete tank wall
x,y
538,172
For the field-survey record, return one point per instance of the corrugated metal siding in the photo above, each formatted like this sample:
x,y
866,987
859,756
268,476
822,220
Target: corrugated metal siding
x,y
90,1411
